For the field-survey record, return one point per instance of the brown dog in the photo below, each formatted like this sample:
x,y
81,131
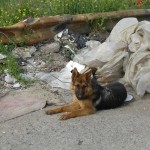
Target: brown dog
x,y
89,96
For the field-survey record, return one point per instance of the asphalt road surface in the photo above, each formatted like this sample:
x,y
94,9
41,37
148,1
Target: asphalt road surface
x,y
124,128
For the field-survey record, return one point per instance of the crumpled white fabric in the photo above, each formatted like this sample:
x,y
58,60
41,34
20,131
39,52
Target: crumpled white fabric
x,y
137,72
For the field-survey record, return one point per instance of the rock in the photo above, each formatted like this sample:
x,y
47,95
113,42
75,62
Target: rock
x,y
24,52
50,48
47,77
2,56
29,76
16,85
32,49
9,78
7,85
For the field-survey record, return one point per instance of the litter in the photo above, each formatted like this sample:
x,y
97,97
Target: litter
x,y
124,54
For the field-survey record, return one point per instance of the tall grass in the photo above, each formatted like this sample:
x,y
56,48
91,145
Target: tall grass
x,y
11,11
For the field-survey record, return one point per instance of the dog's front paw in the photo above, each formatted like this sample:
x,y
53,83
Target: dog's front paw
x,y
50,112
65,116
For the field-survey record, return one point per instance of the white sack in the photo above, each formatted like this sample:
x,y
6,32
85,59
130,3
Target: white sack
x,y
140,39
113,69
122,30
99,55
137,73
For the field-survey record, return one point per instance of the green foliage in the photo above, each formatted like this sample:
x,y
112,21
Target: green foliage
x,y
50,59
98,24
10,64
13,11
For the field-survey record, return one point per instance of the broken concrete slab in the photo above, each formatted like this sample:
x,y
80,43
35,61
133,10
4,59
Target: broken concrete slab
x,y
22,102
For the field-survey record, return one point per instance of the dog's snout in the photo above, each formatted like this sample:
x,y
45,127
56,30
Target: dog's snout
x,y
80,96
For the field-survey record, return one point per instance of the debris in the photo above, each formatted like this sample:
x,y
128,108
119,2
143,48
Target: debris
x,y
129,98
21,62
125,52
16,85
50,48
113,60
9,78
22,52
60,79
70,42
29,76
2,56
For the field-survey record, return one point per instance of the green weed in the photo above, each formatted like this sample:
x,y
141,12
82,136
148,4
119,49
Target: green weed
x,y
51,59
98,24
10,64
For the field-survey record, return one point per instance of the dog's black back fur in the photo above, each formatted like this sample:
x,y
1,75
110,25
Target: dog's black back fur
x,y
111,96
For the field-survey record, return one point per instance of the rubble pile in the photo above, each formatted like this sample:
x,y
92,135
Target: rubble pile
x,y
124,54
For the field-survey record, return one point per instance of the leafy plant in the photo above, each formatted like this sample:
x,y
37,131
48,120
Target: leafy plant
x,y
98,24
10,64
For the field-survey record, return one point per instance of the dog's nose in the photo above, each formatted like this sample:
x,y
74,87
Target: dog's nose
x,y
80,96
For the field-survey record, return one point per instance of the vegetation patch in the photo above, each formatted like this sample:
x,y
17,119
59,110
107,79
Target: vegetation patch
x,y
10,64
12,12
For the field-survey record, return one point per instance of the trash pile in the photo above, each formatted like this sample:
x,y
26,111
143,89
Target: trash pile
x,y
43,57
124,54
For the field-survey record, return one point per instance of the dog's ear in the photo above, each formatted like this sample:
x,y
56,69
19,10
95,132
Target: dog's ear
x,y
88,74
75,74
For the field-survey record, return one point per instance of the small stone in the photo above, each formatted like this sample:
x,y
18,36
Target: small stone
x,y
16,85
24,52
7,85
32,49
50,48
2,56
2,82
42,64
27,75
9,78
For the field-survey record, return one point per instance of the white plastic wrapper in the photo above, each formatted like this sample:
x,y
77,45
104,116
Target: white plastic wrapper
x,y
64,78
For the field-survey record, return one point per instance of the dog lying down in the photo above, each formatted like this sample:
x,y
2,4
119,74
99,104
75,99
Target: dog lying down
x,y
89,96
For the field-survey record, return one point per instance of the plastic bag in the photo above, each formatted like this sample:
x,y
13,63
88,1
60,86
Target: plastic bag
x,y
137,73
112,70
99,55
123,30
61,79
